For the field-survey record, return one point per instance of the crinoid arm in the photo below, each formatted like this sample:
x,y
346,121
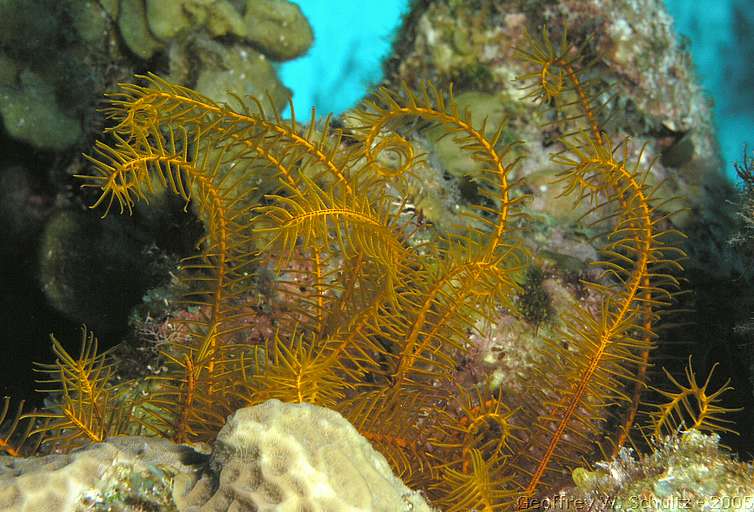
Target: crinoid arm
x,y
91,407
17,437
593,362
690,406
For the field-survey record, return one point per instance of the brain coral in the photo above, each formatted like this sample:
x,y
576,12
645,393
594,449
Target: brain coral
x,y
283,457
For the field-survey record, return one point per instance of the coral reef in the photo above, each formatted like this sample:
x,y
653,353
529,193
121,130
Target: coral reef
x,y
378,306
68,277
688,471
47,99
638,65
57,58
481,344
127,473
647,83
743,242
48,78
190,33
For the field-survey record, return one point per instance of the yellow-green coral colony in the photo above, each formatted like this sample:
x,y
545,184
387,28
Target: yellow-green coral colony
x,y
377,312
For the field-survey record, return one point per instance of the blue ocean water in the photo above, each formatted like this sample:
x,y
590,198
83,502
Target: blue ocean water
x,y
721,38
351,38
